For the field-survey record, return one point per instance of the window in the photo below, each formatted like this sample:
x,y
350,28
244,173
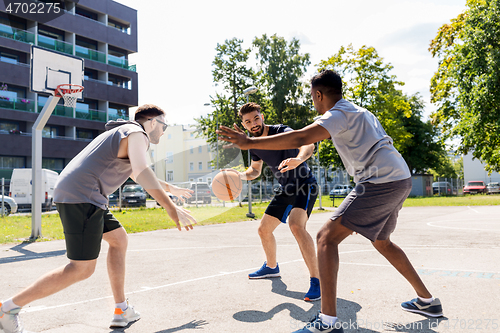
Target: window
x,y
10,58
191,166
169,136
84,134
199,149
117,110
190,149
123,27
191,179
11,162
170,176
200,165
86,13
9,126
208,148
170,157
119,81
209,180
50,132
200,180
53,163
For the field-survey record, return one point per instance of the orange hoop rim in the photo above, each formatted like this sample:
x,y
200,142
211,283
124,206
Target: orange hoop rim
x,y
67,88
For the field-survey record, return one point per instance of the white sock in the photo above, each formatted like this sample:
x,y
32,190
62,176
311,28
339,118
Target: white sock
x,y
122,305
271,267
329,320
426,300
9,305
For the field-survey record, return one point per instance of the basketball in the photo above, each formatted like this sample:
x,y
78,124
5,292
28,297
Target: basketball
x,y
227,185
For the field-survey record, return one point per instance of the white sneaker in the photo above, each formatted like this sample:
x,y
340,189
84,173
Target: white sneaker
x,y
10,322
122,318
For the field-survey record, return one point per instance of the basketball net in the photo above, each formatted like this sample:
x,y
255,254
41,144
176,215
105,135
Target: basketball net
x,y
69,93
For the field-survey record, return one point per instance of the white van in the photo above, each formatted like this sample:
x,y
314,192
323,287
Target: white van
x,y
20,187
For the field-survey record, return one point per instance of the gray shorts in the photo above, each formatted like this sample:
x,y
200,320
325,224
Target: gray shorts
x,y
372,210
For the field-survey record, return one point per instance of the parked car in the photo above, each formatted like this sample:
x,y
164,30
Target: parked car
x,y
341,190
474,187
202,192
442,188
21,187
493,188
133,195
10,206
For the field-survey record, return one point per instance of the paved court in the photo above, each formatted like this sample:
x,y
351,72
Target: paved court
x,y
197,281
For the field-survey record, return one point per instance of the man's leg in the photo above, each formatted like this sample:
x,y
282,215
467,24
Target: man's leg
x,y
265,230
297,222
56,280
329,237
395,255
118,242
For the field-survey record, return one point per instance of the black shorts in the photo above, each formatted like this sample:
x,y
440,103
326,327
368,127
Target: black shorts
x,y
304,197
84,224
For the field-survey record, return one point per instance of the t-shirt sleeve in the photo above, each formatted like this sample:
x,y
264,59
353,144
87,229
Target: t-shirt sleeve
x,y
334,122
254,157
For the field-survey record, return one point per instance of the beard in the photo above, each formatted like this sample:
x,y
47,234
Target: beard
x,y
154,137
259,131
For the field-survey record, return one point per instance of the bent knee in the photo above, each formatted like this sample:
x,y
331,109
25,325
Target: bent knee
x,y
83,270
382,245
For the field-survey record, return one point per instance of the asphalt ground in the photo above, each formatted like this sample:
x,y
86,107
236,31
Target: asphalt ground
x,y
197,281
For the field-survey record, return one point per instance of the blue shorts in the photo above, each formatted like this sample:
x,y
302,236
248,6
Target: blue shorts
x,y
304,197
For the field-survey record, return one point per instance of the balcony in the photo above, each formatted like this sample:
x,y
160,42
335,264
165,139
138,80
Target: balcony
x,y
16,34
54,44
90,115
89,54
120,62
18,104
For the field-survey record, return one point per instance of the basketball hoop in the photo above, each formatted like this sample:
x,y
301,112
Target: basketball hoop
x,y
69,92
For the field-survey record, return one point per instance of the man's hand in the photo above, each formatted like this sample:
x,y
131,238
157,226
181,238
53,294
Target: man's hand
x,y
240,174
236,136
181,193
289,164
185,219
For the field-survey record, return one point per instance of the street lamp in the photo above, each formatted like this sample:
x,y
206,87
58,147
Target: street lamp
x,y
216,128
248,91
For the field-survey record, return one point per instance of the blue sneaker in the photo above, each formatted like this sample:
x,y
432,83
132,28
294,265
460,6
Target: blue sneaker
x,y
433,309
316,326
265,272
314,292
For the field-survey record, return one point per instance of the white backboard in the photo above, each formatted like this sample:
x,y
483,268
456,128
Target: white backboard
x,y
51,68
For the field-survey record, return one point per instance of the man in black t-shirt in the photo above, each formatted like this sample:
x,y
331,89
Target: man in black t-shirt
x,y
294,199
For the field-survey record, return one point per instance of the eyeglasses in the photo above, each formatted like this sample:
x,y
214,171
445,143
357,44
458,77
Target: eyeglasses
x,y
161,122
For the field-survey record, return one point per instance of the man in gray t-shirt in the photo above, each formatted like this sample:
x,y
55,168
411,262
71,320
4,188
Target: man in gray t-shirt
x,y
81,197
371,209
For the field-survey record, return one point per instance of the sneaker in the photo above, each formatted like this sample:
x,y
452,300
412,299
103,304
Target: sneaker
x,y
316,326
433,309
10,322
122,318
314,292
265,272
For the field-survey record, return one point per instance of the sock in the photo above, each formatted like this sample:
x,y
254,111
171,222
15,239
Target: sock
x,y
272,267
122,305
9,305
329,320
426,300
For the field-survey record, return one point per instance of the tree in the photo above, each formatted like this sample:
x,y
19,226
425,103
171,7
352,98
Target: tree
x,y
368,83
466,85
281,69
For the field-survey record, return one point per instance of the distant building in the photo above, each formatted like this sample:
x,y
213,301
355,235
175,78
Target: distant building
x,y
104,34
180,156
474,170
421,185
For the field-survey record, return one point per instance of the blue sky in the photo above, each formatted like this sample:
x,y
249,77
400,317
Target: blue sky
x,y
177,40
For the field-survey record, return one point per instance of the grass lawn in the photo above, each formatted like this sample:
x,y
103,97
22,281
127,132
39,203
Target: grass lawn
x,y
18,228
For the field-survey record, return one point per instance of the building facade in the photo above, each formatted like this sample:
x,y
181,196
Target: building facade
x,y
181,156
104,34
474,170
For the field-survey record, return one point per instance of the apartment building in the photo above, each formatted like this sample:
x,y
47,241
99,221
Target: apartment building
x,y
181,156
104,34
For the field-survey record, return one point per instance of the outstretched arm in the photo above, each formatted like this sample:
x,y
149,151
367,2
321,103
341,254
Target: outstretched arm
x,y
137,146
288,140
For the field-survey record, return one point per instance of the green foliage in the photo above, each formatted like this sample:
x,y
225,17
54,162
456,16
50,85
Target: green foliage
x,y
466,86
367,82
281,68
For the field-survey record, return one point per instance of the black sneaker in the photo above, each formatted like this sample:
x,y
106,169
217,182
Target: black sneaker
x,y
433,309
